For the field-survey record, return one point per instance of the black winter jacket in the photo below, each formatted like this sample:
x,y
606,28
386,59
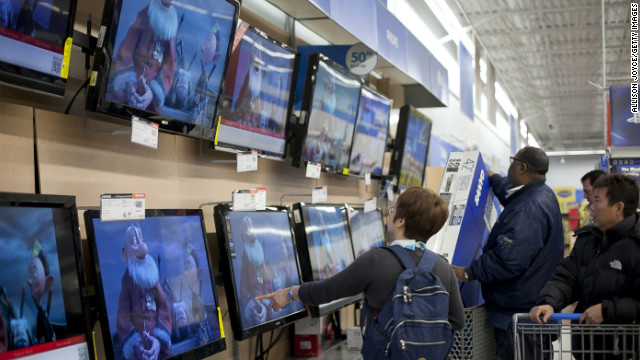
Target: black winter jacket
x,y
602,268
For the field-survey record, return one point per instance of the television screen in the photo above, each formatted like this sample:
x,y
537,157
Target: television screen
x,y
42,312
32,39
367,230
409,157
259,253
324,246
155,285
164,61
258,95
370,138
330,102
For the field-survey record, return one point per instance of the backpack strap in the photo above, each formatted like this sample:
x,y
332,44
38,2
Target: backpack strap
x,y
403,256
428,260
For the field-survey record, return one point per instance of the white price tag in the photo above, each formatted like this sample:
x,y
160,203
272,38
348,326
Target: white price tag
x,y
370,205
390,194
117,207
144,133
261,198
319,195
247,162
313,170
367,178
243,200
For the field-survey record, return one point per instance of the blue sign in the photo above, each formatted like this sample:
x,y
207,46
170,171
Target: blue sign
x,y
324,5
357,17
439,151
418,61
625,127
392,38
466,81
439,81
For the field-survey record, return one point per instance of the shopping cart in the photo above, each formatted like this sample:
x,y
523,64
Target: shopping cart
x,y
566,339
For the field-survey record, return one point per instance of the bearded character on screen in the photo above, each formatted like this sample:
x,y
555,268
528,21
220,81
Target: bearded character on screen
x,y
143,319
254,276
145,61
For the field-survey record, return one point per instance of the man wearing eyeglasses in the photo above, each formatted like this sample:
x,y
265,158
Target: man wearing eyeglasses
x,y
524,247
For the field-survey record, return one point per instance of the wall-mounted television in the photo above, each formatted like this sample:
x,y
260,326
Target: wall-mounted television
x,y
164,61
367,229
32,39
327,116
409,158
258,257
258,95
155,286
323,240
42,309
370,138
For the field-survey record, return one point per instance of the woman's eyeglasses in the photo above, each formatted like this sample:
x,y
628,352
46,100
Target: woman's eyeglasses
x,y
391,210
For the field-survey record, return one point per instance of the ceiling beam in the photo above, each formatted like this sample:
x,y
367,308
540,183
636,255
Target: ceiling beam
x,y
535,11
509,32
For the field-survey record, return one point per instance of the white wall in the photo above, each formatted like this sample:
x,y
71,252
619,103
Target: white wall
x,y
570,172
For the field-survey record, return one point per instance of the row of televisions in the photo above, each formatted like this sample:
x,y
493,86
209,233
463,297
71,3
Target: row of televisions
x,y
154,278
182,69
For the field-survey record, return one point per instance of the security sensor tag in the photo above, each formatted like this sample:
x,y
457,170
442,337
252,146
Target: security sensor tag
x,y
367,178
390,194
319,195
118,207
261,198
247,162
370,205
243,200
144,133
313,170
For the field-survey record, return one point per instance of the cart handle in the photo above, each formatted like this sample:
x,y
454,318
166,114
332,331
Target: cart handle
x,y
565,316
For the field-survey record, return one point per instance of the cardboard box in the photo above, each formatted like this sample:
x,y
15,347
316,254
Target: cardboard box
x,y
472,212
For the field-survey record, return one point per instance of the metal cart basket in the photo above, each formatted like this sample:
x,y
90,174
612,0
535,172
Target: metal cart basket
x,y
566,339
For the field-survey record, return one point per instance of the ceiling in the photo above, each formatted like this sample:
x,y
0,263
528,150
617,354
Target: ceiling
x,y
547,54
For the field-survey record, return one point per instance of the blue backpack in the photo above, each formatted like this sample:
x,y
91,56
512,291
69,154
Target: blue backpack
x,y
414,322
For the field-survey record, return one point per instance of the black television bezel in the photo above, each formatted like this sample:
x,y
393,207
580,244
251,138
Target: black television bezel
x,y
381,216
78,322
34,80
395,167
304,257
355,132
199,352
301,128
292,93
96,101
219,215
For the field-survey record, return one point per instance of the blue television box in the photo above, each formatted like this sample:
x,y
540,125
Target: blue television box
x,y
472,212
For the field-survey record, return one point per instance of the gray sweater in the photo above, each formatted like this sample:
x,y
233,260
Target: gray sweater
x,y
375,273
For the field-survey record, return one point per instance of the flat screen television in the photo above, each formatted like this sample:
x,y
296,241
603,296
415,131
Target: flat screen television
x,y
409,158
32,39
164,61
327,116
258,257
324,246
367,230
370,138
42,309
155,286
258,95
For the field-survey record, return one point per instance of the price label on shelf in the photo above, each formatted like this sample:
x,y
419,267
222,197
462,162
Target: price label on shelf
x,y
319,195
370,205
313,170
390,194
261,198
144,133
247,162
367,178
118,207
243,200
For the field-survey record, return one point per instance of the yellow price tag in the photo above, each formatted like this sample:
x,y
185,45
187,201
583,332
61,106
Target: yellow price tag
x,y
345,171
64,72
215,140
220,323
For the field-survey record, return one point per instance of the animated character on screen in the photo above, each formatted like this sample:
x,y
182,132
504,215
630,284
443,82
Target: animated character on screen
x,y
40,281
190,314
250,105
277,108
254,276
145,61
143,319
204,104
325,241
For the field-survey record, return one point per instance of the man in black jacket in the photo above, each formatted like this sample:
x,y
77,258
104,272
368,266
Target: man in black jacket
x,y
602,273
